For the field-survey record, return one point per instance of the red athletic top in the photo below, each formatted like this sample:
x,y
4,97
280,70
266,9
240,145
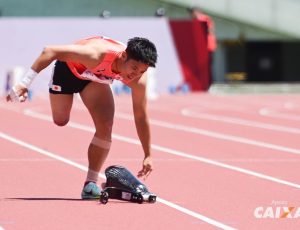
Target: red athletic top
x,y
103,72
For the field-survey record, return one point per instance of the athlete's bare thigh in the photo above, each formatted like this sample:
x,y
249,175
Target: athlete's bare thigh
x,y
98,99
61,105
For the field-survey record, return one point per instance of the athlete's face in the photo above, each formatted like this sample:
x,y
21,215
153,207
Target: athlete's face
x,y
132,69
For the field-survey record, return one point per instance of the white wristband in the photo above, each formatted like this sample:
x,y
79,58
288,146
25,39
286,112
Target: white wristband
x,y
28,78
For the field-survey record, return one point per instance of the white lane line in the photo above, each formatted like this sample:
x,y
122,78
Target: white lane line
x,y
232,160
268,112
39,160
216,135
244,122
169,151
84,168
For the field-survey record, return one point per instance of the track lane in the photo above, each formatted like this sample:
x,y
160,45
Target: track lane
x,y
187,164
38,139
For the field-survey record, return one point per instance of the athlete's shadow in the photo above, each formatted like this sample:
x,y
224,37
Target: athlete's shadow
x,y
44,199
111,201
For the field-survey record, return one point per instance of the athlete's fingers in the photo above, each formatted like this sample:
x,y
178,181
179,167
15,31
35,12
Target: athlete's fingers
x,y
141,173
8,98
17,94
147,168
145,172
23,97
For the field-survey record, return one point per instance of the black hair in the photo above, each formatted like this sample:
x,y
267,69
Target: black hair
x,y
143,50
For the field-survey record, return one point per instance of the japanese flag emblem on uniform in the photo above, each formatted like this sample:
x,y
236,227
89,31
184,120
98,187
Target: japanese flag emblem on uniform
x,y
56,88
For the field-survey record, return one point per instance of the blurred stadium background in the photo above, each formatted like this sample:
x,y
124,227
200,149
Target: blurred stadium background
x,y
215,45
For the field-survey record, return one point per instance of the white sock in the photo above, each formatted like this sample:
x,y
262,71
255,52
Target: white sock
x,y
92,176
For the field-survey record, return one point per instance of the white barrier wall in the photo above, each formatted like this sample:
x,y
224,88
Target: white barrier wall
x,y
22,40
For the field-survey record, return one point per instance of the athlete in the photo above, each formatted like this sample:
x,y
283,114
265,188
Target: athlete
x,y
88,67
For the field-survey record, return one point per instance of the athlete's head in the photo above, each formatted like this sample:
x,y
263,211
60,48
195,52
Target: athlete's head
x,y
138,56
142,50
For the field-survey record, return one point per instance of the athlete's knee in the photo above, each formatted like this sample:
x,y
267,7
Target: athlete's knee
x,y
104,125
108,124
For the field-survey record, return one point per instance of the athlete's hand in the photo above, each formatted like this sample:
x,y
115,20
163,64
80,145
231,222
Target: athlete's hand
x,y
147,168
17,93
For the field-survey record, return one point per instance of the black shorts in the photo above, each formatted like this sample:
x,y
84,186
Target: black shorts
x,y
64,81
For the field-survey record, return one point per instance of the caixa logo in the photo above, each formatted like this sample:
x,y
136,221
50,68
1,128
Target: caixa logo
x,y
278,212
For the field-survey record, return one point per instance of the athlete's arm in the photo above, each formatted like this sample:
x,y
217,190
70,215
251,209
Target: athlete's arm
x,y
84,54
139,101
89,55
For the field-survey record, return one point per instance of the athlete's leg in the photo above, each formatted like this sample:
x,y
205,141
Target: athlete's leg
x,y
99,101
63,84
61,105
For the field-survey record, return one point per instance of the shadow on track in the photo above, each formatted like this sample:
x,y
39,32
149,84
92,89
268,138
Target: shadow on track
x,y
45,199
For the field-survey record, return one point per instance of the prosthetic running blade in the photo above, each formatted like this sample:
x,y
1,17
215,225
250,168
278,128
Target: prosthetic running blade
x,y
121,184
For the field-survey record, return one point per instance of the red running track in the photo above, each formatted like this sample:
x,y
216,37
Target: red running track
x,y
228,162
